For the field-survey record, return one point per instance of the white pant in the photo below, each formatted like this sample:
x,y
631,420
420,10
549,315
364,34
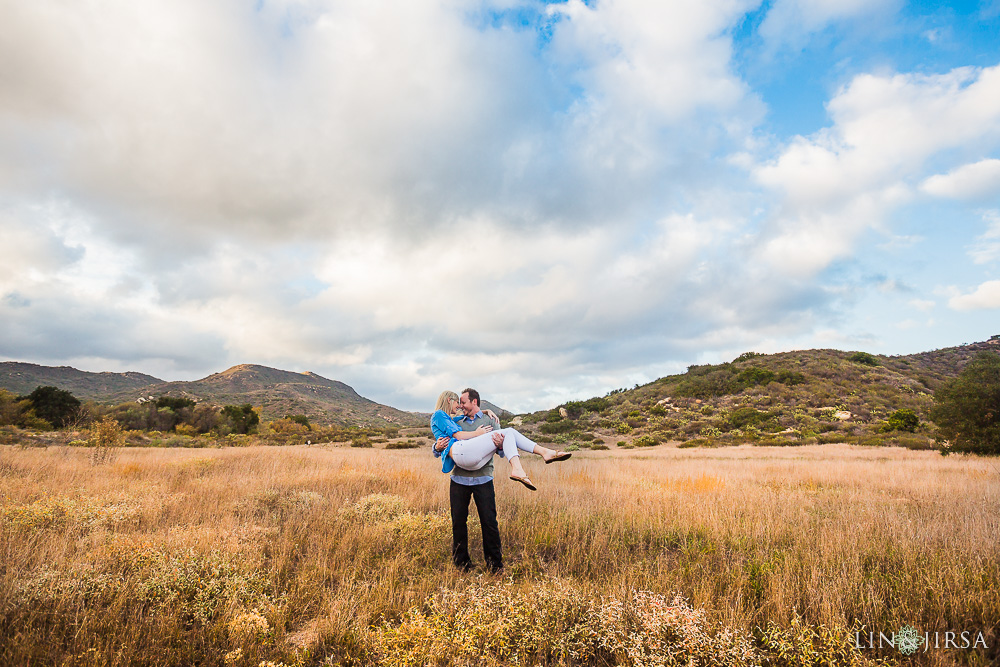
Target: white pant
x,y
474,453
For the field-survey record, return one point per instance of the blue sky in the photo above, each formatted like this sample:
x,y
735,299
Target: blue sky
x,y
546,200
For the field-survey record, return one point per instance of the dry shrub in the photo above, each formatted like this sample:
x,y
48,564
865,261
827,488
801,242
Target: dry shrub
x,y
106,438
150,561
60,512
556,622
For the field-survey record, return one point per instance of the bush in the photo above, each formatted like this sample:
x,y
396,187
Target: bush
x,y
756,376
405,444
299,419
106,438
553,623
595,404
173,403
864,359
708,381
186,429
242,418
557,427
901,420
645,441
967,409
746,416
54,405
790,378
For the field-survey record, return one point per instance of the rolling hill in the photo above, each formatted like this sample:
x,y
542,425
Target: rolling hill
x,y
809,396
277,392
22,378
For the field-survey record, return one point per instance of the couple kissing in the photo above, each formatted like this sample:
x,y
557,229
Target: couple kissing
x,y
467,438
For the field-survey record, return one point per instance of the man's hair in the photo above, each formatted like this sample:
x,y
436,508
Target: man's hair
x,y
473,395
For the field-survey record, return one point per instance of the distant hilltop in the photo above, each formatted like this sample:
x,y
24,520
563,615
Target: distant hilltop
x,y
277,392
900,381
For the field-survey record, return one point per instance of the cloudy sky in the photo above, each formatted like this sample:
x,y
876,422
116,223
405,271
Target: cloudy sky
x,y
544,200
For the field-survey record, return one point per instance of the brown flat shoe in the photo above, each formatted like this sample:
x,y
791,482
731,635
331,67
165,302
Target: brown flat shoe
x,y
560,456
525,481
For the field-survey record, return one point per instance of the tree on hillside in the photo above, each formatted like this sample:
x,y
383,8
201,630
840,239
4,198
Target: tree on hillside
x,y
175,404
54,405
242,418
967,408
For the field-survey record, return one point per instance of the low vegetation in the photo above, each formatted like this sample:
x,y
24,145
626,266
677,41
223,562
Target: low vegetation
x,y
309,556
794,398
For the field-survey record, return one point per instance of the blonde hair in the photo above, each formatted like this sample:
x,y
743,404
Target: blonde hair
x,y
443,399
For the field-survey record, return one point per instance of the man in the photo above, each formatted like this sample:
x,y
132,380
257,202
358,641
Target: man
x,y
478,484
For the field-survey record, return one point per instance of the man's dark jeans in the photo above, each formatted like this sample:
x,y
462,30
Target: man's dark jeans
x,y
486,505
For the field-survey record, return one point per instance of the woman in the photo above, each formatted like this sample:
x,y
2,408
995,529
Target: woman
x,y
471,450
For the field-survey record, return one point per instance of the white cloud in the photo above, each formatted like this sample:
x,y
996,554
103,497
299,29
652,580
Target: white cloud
x,y
844,180
977,180
987,246
789,22
669,59
986,296
411,197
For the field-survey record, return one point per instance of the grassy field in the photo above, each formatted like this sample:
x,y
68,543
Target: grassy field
x,y
338,555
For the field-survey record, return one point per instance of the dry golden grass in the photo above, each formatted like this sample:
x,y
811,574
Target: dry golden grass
x,y
340,556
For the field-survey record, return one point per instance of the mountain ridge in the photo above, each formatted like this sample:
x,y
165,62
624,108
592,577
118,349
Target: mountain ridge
x,y
277,392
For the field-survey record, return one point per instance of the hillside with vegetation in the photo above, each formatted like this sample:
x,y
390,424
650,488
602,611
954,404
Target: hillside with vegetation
x,y
275,392
791,398
279,393
23,378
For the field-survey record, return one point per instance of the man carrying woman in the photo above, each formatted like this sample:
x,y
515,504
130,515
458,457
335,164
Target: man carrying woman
x,y
466,441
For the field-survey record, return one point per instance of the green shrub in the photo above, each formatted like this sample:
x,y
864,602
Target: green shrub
x,y
242,418
864,359
755,376
300,419
405,444
967,409
623,427
790,378
557,427
708,381
696,442
901,420
55,406
746,416
174,403
645,441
